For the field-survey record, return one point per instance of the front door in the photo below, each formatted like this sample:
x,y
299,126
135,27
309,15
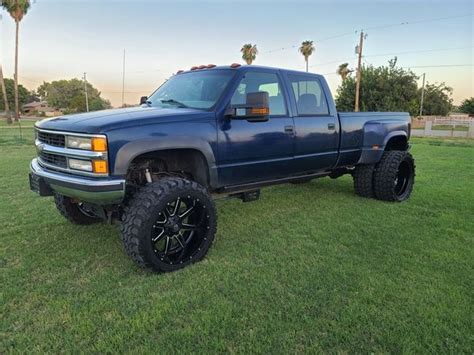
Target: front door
x,y
256,151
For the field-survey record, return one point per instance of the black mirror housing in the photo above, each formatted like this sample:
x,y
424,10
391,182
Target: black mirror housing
x,y
143,100
256,107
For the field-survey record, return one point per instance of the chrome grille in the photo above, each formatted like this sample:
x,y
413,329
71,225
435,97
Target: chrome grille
x,y
53,159
53,152
57,140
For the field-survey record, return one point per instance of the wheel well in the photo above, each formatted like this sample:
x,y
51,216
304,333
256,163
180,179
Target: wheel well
x,y
397,143
189,163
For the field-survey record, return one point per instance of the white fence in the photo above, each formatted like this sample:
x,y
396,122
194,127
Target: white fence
x,y
437,128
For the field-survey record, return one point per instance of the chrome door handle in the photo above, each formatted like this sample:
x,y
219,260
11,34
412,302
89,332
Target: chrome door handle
x,y
289,129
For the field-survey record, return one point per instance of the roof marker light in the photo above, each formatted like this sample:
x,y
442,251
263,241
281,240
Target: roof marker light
x,y
211,65
235,65
179,71
194,68
201,67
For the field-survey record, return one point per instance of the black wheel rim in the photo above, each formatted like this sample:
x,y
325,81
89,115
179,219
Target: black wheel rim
x,y
403,179
180,230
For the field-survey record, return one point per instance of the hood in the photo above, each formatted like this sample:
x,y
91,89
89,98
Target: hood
x,y
106,120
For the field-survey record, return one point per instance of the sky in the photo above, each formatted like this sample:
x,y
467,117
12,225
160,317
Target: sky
x,y
64,39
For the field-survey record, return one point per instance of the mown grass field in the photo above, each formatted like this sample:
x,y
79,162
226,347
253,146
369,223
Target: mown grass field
x,y
308,268
445,127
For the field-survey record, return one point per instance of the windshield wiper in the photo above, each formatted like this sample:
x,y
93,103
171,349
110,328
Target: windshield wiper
x,y
173,101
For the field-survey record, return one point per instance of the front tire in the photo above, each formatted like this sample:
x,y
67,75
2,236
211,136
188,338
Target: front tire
x,y
169,224
394,176
74,212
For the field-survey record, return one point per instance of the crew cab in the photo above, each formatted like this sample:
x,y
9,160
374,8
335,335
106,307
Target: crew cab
x,y
209,132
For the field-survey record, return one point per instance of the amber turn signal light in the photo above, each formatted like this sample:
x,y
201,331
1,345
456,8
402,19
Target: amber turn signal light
x,y
260,111
100,166
99,144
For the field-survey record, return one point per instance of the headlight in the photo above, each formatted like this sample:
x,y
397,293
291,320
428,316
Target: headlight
x,y
96,144
83,165
79,143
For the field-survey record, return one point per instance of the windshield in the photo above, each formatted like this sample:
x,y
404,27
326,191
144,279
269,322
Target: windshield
x,y
200,89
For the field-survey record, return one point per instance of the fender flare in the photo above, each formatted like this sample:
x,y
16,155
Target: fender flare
x,y
394,134
373,156
128,152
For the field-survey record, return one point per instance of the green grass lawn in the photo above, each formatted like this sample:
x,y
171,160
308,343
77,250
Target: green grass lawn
x,y
17,133
445,127
307,268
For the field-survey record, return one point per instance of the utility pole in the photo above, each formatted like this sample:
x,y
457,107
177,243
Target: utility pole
x,y
123,79
422,95
359,62
85,91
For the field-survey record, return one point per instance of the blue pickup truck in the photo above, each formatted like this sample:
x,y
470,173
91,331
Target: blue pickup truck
x,y
210,132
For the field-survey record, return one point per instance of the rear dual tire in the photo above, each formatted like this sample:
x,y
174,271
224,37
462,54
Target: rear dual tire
x,y
363,180
392,179
394,176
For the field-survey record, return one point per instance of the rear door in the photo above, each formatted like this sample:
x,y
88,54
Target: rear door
x,y
317,136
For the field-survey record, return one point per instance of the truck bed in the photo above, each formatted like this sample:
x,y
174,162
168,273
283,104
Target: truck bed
x,y
362,130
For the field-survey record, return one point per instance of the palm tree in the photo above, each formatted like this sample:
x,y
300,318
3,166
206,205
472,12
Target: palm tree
x,y
5,99
343,71
17,9
307,48
249,52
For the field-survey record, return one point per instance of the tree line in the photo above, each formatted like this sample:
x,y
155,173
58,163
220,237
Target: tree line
x,y
65,95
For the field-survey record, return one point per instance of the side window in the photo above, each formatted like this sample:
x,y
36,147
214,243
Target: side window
x,y
255,82
309,96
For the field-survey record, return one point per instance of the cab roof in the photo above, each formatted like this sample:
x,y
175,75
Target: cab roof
x,y
239,67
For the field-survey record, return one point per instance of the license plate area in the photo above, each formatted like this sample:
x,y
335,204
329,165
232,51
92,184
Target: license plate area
x,y
38,185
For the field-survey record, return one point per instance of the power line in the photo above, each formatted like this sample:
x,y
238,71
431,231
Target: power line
x,y
415,22
404,23
317,41
421,66
417,51
393,53
332,62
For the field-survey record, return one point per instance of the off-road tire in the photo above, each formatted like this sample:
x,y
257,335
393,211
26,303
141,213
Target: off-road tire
x,y
72,212
143,211
363,180
394,166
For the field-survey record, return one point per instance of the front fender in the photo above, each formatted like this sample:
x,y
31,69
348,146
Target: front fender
x,y
131,150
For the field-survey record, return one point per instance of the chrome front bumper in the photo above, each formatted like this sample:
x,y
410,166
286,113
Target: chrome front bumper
x,y
94,190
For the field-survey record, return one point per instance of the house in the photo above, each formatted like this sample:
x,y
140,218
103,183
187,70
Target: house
x,y
40,109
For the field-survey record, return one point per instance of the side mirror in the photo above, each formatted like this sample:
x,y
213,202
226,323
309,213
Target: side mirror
x,y
256,107
143,100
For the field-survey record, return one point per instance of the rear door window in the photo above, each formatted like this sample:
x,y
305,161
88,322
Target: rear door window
x,y
309,95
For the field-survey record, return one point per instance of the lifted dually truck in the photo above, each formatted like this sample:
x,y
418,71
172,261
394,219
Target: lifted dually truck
x,y
211,131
